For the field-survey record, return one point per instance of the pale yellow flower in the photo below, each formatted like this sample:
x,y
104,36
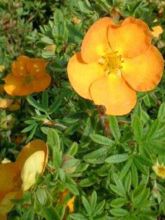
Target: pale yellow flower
x,y
159,169
2,67
157,31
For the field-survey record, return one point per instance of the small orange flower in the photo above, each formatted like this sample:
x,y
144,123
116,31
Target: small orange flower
x,y
115,61
28,76
19,176
70,202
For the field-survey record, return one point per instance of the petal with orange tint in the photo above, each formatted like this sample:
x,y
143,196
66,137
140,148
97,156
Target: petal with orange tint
x,y
144,72
10,180
113,93
6,204
32,167
81,75
40,84
131,38
95,42
3,216
19,66
70,204
32,161
31,148
14,86
36,67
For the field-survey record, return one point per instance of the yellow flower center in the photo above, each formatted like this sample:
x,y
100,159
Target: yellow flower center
x,y
161,170
111,62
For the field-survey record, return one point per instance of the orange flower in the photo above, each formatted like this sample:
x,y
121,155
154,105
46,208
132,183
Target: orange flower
x,y
115,61
19,176
28,75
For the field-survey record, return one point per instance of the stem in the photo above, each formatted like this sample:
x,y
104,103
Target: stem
x,y
104,121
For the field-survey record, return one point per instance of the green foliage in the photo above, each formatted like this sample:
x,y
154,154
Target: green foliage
x,y
109,173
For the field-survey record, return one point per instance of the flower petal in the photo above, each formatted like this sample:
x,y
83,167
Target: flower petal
x,y
36,67
19,66
40,84
29,149
113,93
32,167
144,72
3,216
81,75
131,38
10,180
6,204
95,42
15,86
32,161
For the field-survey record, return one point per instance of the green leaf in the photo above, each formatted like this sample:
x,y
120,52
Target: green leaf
x,y
72,188
35,104
137,128
134,175
50,213
119,212
73,149
118,158
99,139
126,168
115,130
119,184
127,182
53,138
119,202
99,208
41,196
77,216
93,201
97,156
86,182
86,205
53,141
45,99
161,112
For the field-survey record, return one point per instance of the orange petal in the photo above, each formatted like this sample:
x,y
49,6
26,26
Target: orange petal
x,y
10,179
113,93
95,42
32,161
36,67
70,204
15,86
31,148
81,75
40,84
131,38
6,204
19,66
144,72
3,216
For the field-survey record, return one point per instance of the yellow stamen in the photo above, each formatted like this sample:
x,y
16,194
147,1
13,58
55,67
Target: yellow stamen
x,y
111,62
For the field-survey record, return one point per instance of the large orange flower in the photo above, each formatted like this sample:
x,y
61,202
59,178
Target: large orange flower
x,y
115,61
28,75
19,176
